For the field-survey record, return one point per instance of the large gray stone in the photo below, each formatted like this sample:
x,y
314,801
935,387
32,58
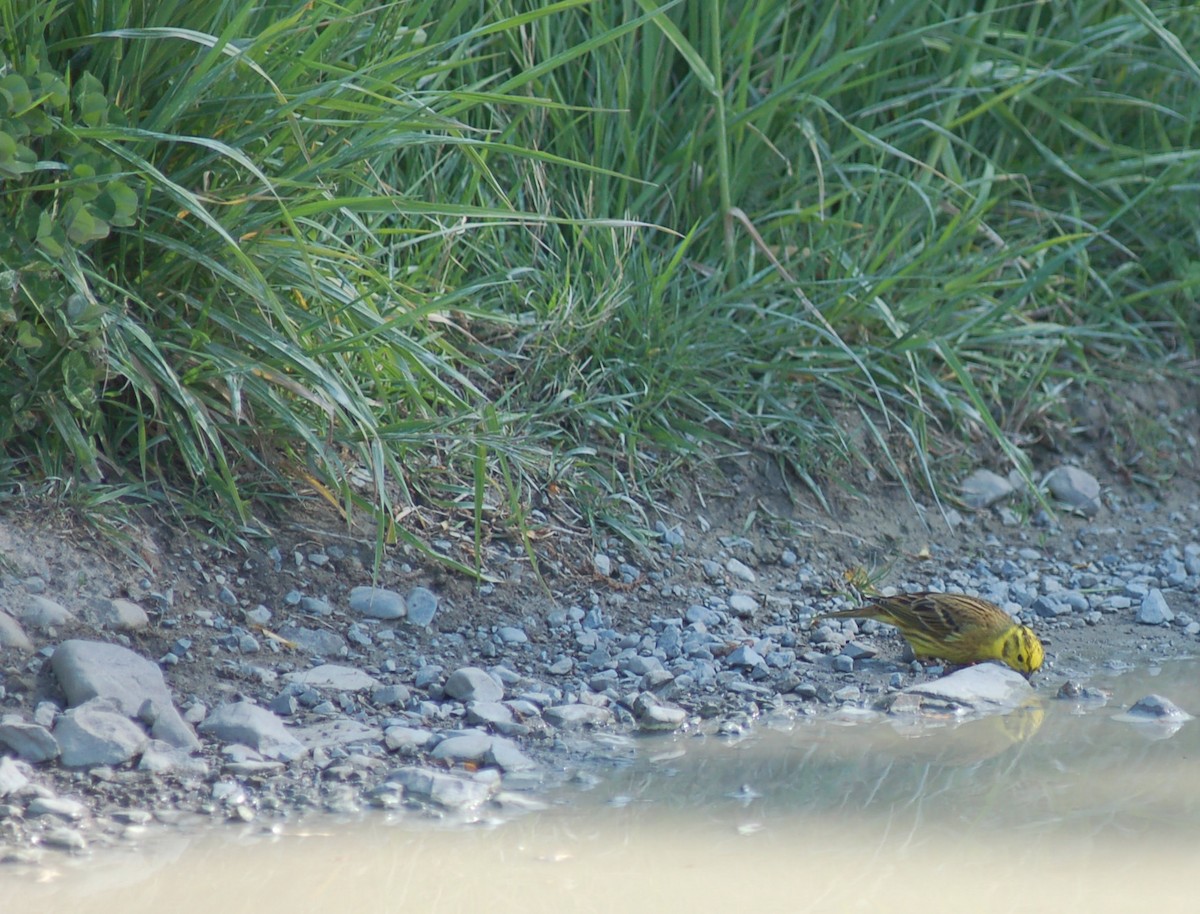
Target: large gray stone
x,y
32,742
250,725
469,746
473,684
94,669
97,732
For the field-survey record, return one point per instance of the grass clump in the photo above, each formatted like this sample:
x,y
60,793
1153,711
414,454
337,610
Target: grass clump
x,y
450,254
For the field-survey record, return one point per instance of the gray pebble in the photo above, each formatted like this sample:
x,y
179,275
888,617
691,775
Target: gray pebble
x,y
1075,488
422,606
1154,609
391,696
259,615
743,605
652,713
248,644
856,650
510,634
740,570
745,657
702,615
984,488
639,666
121,615
1157,707
377,603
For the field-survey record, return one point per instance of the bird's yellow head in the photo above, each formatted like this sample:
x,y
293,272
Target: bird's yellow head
x,y
1022,650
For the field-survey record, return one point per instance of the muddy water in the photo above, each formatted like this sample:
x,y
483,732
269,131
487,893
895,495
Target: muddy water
x,y
1059,807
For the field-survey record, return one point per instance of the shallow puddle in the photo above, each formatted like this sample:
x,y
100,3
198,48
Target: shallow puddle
x,y
1054,808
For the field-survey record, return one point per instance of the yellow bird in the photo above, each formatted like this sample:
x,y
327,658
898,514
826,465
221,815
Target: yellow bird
x,y
954,627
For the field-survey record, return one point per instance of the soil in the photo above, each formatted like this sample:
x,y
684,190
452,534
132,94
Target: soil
x,y
802,550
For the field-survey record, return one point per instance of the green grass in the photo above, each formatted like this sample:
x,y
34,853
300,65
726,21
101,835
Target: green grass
x,y
448,254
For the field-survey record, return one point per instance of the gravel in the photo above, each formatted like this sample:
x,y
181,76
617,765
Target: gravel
x,y
285,680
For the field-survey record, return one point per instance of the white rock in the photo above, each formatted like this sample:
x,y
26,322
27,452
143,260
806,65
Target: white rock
x,y
988,687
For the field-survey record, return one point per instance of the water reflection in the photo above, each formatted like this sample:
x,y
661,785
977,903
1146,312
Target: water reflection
x,y
1058,806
